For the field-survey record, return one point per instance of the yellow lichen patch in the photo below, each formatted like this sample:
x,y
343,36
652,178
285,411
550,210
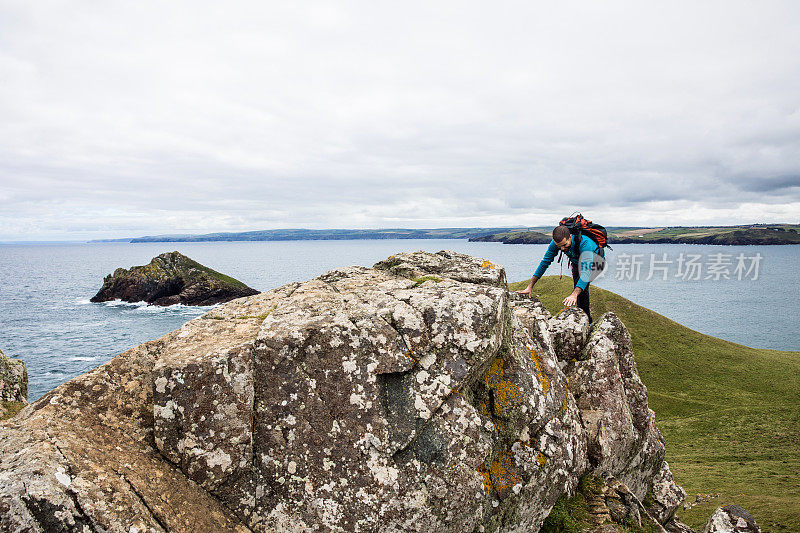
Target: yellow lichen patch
x,y
544,380
484,408
495,372
502,473
541,459
507,393
487,478
488,264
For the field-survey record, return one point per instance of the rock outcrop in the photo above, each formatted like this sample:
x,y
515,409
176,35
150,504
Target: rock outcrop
x,y
418,395
13,385
171,278
731,519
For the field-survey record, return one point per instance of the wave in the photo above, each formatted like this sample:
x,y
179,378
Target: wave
x,y
122,303
145,307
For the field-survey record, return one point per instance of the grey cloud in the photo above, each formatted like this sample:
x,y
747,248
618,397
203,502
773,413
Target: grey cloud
x,y
771,185
164,118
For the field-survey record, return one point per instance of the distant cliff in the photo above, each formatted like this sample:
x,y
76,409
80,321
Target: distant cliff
x,y
417,395
516,237
729,236
328,235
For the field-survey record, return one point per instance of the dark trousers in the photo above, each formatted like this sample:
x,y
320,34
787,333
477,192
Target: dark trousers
x,y
583,297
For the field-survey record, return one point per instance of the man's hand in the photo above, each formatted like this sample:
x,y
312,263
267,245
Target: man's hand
x,y
572,299
527,290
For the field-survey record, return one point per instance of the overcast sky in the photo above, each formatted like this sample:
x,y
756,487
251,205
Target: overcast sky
x,y
123,119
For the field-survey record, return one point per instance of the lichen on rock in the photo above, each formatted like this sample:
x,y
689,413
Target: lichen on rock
x,y
569,331
366,399
731,519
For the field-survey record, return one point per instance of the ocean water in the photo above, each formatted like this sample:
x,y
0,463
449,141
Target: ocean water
x,y
46,318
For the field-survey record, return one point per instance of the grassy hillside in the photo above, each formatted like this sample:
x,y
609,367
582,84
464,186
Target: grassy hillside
x,y
719,235
515,237
730,414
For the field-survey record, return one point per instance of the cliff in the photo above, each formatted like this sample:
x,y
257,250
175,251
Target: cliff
x,y
171,278
13,386
515,237
418,395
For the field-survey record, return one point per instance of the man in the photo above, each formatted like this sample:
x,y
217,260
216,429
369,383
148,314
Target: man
x,y
581,275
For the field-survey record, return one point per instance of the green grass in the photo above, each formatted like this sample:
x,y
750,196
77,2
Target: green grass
x,y
214,274
261,316
571,515
730,414
775,233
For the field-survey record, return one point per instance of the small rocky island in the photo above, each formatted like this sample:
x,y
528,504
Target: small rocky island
x,y
169,279
419,395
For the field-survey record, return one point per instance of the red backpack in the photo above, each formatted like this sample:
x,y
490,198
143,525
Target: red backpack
x,y
578,225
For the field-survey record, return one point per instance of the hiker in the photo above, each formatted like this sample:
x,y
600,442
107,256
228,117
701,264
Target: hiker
x,y
572,245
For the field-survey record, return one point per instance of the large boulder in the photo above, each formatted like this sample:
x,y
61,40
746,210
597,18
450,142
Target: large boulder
x,y
447,264
665,495
169,279
731,519
407,397
569,331
621,433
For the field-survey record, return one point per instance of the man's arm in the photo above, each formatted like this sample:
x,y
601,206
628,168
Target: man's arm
x,y
549,255
585,267
587,245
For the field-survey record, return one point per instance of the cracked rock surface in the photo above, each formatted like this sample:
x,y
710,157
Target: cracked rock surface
x,y
417,395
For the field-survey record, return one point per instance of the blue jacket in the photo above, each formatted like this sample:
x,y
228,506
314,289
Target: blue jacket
x,y
574,252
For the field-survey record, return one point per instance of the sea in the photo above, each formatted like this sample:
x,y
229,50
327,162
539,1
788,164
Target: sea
x,y
745,294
